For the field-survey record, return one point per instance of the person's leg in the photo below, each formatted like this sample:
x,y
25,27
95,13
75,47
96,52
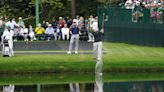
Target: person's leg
x,y
11,52
99,51
48,37
63,36
89,37
55,36
95,50
92,38
71,43
76,44
67,36
3,49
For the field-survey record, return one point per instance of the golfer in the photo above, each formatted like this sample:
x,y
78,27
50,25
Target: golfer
x,y
97,45
74,31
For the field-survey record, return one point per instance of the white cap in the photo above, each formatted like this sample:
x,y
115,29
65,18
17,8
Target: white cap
x,y
39,25
20,18
49,25
60,18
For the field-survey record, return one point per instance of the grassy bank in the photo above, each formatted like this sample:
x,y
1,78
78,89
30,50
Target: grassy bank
x,y
119,57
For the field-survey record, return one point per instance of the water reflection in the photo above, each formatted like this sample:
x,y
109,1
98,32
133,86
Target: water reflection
x,y
98,86
98,76
8,88
74,87
75,84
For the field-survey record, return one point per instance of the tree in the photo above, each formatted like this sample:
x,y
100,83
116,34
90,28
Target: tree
x,y
109,2
73,8
47,6
13,8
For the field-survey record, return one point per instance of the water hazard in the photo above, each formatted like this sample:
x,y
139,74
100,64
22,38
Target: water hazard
x,y
147,86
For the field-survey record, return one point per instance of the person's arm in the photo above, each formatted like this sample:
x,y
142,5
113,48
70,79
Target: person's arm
x,y
43,30
3,36
70,29
36,30
102,30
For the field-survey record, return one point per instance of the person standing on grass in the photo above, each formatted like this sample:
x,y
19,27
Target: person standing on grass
x,y
8,36
74,31
97,45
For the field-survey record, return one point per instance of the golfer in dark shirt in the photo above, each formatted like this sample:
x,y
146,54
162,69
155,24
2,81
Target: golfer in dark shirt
x,y
97,45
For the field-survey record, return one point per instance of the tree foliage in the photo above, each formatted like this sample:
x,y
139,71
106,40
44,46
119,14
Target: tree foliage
x,y
50,8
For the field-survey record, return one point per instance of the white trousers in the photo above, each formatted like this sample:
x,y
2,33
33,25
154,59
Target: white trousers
x,y
65,34
97,50
11,52
90,37
74,38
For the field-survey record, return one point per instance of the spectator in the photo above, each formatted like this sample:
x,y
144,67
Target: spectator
x,y
25,33
8,23
44,25
54,24
58,32
137,12
13,23
39,31
69,22
61,22
31,33
65,32
1,23
90,35
21,22
49,32
129,4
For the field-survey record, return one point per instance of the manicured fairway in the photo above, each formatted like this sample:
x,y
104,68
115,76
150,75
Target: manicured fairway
x,y
118,57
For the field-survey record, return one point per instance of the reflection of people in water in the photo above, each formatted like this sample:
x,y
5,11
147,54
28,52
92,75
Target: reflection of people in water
x,y
98,86
98,76
9,88
74,87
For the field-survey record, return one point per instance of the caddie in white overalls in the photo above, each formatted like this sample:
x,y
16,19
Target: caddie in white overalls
x,y
8,36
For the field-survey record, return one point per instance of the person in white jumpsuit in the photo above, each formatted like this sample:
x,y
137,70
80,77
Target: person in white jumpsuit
x,y
8,35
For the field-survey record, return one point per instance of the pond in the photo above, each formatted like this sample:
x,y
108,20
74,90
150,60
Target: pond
x,y
148,86
83,82
111,82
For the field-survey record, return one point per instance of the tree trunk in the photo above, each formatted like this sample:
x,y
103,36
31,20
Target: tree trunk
x,y
73,8
44,11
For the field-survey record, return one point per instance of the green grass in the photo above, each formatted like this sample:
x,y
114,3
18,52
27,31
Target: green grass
x,y
119,57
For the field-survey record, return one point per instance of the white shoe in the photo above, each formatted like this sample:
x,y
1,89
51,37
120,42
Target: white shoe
x,y
89,40
76,52
69,52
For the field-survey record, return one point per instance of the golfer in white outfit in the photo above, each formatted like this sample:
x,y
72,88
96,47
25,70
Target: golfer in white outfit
x,y
8,35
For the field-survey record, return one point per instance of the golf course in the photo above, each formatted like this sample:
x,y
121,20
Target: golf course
x,y
117,57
